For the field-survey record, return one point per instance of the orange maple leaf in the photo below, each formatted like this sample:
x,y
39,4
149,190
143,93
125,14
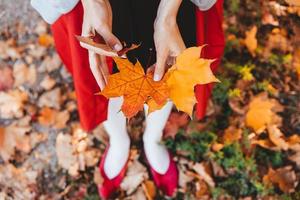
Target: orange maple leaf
x,y
135,86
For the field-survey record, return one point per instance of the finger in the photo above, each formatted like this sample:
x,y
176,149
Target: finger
x,y
161,59
86,30
94,65
110,39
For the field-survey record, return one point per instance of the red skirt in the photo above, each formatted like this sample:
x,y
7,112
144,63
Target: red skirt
x,y
93,109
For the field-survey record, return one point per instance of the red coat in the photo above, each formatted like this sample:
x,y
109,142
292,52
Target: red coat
x,y
93,109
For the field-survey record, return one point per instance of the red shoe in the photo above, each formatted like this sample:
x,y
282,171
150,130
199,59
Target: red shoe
x,y
166,182
109,186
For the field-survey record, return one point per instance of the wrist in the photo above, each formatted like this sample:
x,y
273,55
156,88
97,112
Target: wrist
x,y
165,22
86,3
167,13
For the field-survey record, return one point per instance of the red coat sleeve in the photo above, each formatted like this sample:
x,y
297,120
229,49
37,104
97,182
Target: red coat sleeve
x,y
210,32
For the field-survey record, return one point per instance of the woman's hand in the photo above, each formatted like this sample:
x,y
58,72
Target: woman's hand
x,y
167,37
97,20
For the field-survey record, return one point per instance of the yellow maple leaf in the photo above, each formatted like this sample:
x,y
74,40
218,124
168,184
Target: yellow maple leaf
x,y
188,71
250,40
262,112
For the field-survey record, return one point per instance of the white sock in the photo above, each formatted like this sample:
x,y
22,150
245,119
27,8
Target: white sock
x,y
156,153
119,141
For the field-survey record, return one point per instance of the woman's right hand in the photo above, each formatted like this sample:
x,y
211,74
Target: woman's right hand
x,y
97,19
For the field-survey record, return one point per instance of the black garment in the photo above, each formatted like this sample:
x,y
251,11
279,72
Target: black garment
x,y
133,23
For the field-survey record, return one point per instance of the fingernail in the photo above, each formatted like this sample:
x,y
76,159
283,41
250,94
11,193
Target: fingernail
x,y
156,77
118,47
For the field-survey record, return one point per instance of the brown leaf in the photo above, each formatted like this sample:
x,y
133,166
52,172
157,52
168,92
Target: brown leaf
x,y
135,176
52,117
52,99
103,49
176,120
12,104
268,18
277,137
284,177
14,137
277,40
149,189
47,83
98,179
201,189
202,171
232,134
184,179
6,78
293,2
277,141
65,154
24,74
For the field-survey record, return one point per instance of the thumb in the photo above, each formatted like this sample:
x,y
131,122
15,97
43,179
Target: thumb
x,y
161,59
110,39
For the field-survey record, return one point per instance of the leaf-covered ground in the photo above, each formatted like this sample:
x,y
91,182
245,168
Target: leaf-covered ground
x,y
248,146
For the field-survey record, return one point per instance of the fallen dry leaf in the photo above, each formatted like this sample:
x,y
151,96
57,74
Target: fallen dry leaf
x,y
201,170
135,176
47,83
138,195
12,103
268,18
149,189
232,134
45,40
24,74
14,137
65,154
184,179
284,177
52,117
52,99
6,78
20,180
277,141
50,63
295,158
176,120
277,137
296,61
201,189
251,40
293,2
277,40
262,112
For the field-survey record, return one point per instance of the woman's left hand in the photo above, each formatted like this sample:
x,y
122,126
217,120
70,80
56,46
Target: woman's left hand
x,y
167,38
